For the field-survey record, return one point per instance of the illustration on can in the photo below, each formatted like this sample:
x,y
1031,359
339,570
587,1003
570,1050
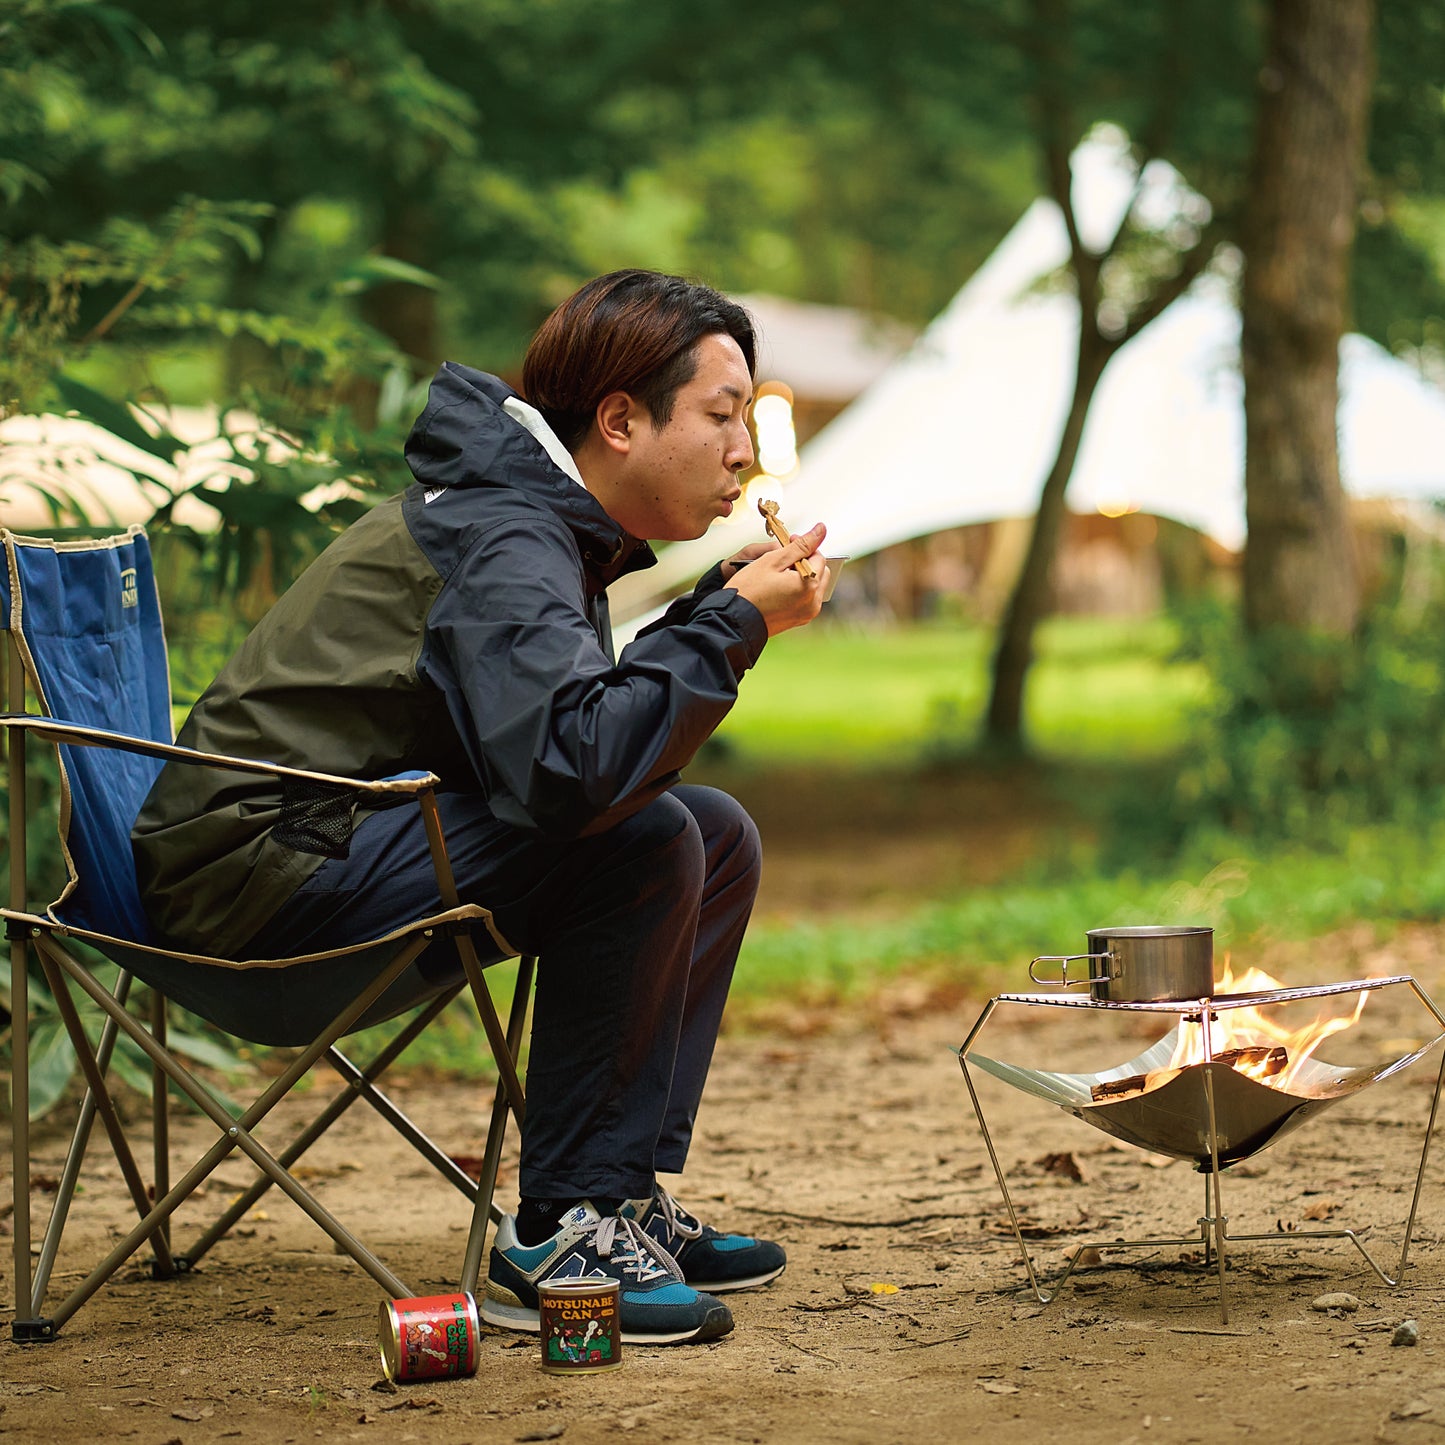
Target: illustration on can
x,y
580,1325
429,1337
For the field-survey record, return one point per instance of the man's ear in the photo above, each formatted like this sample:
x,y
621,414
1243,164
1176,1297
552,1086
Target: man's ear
x,y
618,416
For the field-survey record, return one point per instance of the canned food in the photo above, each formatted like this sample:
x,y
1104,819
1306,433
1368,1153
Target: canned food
x,y
429,1337
581,1325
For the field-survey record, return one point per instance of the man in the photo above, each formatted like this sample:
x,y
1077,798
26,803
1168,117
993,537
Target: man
x,y
462,628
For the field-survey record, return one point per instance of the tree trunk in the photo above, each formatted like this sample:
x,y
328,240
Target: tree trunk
x,y
404,313
1029,602
1300,571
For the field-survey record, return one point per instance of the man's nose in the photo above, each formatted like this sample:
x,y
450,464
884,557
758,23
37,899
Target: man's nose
x,y
740,458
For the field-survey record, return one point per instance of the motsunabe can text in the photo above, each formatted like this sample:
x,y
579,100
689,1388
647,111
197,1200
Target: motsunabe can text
x,y
581,1326
429,1337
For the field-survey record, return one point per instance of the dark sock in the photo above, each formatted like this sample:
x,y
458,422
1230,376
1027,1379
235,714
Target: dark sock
x,y
537,1218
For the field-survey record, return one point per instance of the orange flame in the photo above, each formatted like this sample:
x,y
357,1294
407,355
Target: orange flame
x,y
1239,1028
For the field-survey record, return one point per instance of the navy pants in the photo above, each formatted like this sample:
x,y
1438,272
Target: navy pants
x,y
636,931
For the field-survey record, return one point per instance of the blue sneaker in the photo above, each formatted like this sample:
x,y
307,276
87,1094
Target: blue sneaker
x,y
656,1307
708,1259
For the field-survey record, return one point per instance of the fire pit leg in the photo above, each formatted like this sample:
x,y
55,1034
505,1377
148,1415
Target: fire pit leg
x,y
1204,1221
1221,1219
1013,1218
1429,1134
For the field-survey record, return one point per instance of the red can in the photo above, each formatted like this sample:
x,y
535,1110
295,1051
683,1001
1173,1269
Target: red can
x,y
430,1337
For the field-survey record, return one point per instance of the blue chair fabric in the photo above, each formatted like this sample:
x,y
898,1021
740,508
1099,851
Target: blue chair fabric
x,y
89,618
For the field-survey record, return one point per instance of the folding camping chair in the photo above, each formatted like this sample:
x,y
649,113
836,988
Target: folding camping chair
x,y
86,644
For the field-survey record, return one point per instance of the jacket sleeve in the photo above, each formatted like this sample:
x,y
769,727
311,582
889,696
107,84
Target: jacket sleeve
x,y
681,609
564,741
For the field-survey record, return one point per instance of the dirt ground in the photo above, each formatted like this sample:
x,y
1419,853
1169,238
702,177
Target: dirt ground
x,y
902,1314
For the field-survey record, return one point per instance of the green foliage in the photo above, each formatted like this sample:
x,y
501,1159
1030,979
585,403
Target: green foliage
x,y
1305,738
137,230
1399,266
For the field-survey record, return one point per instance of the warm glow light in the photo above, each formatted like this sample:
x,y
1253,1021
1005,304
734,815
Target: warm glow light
x,y
1117,509
1241,1028
777,440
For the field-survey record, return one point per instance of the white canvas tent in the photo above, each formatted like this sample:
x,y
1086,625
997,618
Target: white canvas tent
x,y
963,428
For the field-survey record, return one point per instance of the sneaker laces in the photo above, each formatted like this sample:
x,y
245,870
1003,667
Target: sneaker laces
x,y
679,1223
632,1251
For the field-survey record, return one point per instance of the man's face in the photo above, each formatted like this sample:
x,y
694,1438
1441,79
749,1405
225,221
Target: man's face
x,y
684,477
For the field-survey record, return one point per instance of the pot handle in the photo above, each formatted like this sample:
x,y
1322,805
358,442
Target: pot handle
x,y
1066,959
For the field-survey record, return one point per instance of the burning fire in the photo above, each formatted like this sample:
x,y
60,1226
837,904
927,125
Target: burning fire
x,y
1256,1037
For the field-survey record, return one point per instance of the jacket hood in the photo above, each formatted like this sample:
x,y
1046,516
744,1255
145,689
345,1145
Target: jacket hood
x,y
464,439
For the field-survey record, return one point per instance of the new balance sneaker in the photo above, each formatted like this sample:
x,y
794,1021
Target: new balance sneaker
x,y
709,1260
656,1306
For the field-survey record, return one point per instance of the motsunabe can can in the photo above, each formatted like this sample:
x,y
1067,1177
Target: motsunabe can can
x,y
581,1326
429,1337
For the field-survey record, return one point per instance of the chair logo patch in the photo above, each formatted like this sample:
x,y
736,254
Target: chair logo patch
x,y
129,595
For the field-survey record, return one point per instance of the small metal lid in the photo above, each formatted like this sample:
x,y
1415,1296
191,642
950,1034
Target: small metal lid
x,y
390,1341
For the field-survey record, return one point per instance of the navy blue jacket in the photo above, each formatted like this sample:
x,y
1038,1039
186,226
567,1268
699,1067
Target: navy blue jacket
x,y
460,628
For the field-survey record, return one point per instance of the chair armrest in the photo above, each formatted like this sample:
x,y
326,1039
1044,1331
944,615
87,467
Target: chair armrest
x,y
55,731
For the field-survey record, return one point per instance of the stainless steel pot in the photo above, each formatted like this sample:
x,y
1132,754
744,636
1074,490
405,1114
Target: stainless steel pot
x,y
1150,964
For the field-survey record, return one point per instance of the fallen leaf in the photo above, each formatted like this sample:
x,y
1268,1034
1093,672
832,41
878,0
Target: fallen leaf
x,y
998,1387
1320,1209
327,1171
1064,1165
881,1287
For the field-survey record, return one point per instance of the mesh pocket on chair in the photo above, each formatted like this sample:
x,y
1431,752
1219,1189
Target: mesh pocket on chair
x,y
315,818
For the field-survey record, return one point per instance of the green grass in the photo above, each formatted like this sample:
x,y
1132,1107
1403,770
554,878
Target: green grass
x,y
1387,875
1098,689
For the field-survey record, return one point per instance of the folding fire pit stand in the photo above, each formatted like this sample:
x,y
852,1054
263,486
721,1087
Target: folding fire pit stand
x,y
1208,1112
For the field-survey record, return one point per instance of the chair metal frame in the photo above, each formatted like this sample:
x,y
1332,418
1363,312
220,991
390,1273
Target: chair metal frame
x,y
44,934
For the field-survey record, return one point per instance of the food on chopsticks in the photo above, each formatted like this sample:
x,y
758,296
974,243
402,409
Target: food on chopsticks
x,y
769,510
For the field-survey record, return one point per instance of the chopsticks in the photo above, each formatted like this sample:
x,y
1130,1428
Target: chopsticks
x,y
769,511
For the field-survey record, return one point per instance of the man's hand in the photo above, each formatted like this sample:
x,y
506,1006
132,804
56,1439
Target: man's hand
x,y
765,576
750,553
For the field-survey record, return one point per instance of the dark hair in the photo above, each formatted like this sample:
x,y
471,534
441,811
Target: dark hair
x,y
633,331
